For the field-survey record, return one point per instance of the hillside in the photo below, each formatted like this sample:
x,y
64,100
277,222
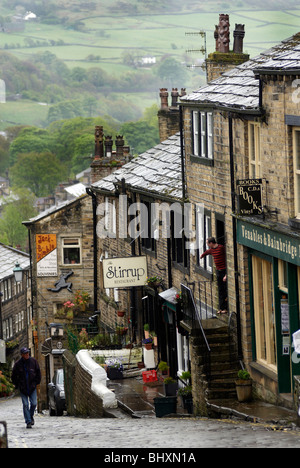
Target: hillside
x,y
88,58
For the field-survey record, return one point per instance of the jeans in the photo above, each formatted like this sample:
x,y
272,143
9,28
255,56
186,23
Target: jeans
x,y
222,285
29,411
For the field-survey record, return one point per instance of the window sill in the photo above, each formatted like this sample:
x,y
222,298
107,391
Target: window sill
x,y
203,272
200,160
294,223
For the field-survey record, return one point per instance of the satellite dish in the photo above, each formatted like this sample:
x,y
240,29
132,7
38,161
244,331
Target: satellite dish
x,y
46,348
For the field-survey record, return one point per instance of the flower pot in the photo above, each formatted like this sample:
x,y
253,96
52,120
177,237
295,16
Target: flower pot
x,y
121,313
171,389
114,374
165,406
147,334
243,390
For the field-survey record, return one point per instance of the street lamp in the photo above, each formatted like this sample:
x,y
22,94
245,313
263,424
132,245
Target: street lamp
x,y
18,272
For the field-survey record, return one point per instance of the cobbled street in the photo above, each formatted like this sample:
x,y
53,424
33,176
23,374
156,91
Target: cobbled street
x,y
126,433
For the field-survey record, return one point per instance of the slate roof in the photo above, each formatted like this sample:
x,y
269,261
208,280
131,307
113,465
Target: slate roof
x,y
239,88
158,171
8,259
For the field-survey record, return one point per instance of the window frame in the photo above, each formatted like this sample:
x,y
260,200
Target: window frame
x,y
296,171
203,231
202,134
255,171
71,246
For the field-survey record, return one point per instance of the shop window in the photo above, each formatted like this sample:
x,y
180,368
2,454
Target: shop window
x,y
71,251
264,312
254,151
283,276
296,151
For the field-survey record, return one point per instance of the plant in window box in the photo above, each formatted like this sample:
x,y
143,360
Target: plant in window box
x,y
148,343
68,309
154,281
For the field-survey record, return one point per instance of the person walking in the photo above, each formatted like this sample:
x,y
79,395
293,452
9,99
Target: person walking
x,y
219,255
26,375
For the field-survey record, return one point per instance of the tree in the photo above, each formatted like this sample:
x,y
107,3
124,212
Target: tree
x,y
39,172
18,208
171,71
140,135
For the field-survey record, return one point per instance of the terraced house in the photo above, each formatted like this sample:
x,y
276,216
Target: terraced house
x,y
241,134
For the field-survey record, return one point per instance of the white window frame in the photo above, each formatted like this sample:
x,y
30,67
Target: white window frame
x,y
203,134
203,231
296,156
75,245
254,151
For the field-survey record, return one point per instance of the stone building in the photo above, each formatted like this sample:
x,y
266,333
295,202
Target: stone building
x,y
242,174
15,307
62,241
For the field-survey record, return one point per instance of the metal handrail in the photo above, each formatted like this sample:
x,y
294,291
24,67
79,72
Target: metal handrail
x,y
185,290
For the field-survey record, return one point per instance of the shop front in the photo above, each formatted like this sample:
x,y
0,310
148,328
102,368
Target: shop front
x,y
274,283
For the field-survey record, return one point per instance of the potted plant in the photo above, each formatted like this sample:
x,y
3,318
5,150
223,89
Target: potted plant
x,y
186,395
146,330
243,386
165,405
163,368
148,343
154,336
170,386
153,281
121,330
114,368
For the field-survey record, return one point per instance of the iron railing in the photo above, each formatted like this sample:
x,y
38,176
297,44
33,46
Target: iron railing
x,y
191,313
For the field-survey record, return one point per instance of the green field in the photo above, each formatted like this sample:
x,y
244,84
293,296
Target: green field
x,y
103,39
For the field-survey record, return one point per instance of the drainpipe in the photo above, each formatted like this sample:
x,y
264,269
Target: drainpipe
x,y
182,152
94,203
236,268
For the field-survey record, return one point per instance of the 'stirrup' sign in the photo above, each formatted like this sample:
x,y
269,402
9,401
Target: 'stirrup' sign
x,y
249,197
124,272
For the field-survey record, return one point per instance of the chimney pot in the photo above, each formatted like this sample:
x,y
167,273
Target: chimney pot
x,y
238,34
119,146
164,98
223,30
98,143
108,143
174,95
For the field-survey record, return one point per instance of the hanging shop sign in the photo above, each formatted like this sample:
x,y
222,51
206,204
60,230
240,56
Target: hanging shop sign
x,y
249,197
273,243
46,254
124,272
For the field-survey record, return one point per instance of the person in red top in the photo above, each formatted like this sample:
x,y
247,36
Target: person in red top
x,y
219,255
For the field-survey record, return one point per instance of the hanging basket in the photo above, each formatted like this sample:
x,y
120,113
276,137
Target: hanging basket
x,y
121,313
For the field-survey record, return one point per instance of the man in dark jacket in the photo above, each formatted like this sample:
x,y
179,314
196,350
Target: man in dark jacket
x,y
26,375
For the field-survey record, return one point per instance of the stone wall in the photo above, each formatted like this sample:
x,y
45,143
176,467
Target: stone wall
x,y
85,386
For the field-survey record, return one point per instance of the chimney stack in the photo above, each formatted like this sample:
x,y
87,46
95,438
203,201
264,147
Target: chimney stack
x,y
222,59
